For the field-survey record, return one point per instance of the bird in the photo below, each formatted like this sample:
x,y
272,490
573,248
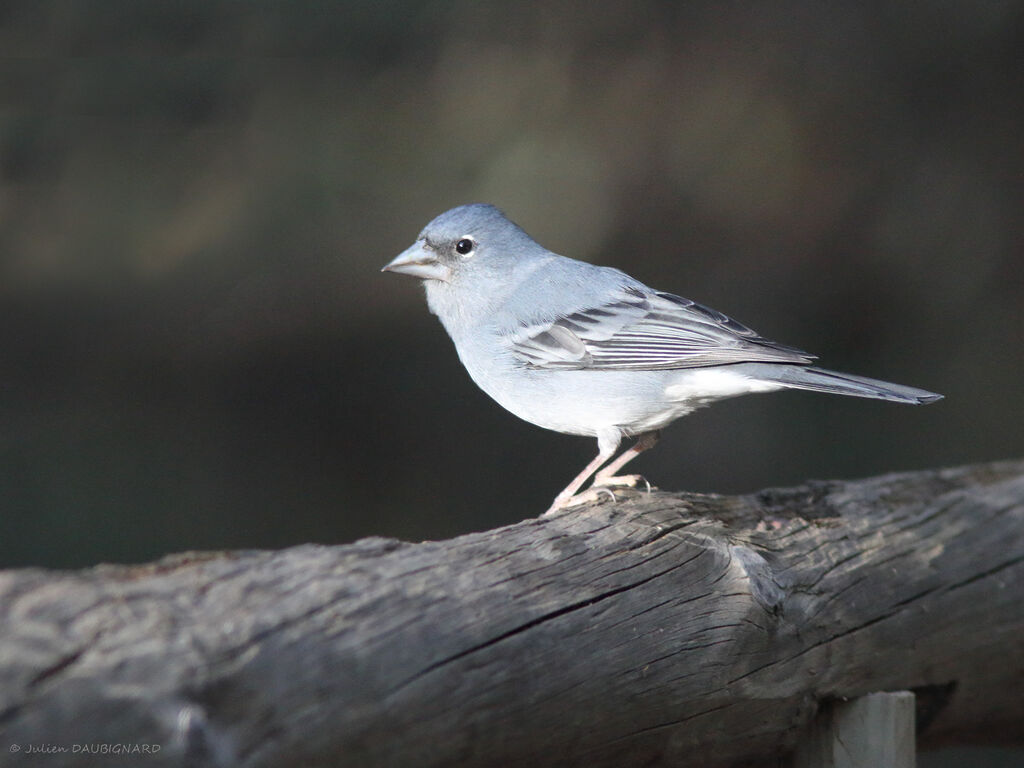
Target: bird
x,y
588,350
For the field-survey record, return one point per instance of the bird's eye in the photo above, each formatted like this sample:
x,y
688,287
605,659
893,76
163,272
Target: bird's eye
x,y
464,246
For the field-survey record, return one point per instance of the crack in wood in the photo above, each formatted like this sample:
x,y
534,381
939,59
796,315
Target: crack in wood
x,y
533,623
986,574
55,669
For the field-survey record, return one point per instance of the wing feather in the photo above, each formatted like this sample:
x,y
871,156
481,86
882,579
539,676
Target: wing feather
x,y
635,330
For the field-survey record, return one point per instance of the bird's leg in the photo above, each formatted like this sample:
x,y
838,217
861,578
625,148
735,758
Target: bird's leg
x,y
606,476
607,445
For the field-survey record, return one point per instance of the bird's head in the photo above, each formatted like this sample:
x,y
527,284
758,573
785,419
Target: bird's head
x,y
464,245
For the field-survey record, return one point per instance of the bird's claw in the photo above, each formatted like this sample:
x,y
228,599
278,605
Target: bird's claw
x,y
593,494
621,481
589,496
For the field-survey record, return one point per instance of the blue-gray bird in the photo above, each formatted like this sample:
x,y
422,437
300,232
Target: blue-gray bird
x,y
588,350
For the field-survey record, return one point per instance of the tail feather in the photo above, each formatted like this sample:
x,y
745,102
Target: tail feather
x,y
836,383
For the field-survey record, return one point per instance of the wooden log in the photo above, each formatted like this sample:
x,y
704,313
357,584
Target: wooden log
x,y
669,629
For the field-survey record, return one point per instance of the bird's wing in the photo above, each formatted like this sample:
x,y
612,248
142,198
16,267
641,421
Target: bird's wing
x,y
644,331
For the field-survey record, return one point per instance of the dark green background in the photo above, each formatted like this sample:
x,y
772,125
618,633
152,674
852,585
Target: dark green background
x,y
197,348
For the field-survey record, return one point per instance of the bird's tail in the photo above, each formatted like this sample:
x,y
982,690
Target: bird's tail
x,y
835,383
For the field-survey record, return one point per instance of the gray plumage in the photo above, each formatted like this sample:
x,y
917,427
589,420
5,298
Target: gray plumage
x,y
589,350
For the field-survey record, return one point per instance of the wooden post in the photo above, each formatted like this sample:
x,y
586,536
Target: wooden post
x,y
869,732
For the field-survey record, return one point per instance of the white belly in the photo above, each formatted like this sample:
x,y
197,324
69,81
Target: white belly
x,y
587,402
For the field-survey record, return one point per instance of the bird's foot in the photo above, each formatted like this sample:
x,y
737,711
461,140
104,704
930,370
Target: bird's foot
x,y
620,481
589,496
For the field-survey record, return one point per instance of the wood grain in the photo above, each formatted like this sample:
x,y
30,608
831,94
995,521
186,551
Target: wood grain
x,y
665,629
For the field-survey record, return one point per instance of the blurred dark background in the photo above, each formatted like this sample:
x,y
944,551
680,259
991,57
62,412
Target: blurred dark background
x,y
197,348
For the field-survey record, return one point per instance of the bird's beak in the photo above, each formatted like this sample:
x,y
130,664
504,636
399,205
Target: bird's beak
x,y
419,261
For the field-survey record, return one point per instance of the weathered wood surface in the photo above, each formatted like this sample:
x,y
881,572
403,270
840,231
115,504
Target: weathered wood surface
x,y
666,629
